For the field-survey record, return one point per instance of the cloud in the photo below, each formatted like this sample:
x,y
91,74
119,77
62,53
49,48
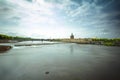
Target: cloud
x,y
83,17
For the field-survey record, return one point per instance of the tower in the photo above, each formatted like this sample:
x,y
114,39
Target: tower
x,y
72,36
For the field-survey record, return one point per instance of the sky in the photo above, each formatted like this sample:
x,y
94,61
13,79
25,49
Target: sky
x,y
60,18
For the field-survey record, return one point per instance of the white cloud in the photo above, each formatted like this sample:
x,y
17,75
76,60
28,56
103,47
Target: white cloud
x,y
58,18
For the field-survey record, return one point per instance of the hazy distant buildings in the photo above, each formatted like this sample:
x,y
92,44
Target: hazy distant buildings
x,y
71,36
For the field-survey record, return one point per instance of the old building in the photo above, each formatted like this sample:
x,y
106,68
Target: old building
x,y
71,36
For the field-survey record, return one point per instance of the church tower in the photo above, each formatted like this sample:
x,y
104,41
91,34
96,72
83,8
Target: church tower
x,y
72,36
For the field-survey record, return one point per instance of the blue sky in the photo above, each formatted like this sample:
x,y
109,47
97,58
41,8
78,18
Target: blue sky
x,y
60,18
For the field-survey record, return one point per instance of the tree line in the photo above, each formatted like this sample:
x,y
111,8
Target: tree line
x,y
108,42
6,37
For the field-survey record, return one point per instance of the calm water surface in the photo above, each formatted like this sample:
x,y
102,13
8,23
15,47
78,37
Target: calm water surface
x,y
62,62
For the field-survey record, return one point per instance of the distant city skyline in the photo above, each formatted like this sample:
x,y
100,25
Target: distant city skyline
x,y
60,18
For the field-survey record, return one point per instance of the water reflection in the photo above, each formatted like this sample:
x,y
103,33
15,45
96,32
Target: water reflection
x,y
89,62
71,49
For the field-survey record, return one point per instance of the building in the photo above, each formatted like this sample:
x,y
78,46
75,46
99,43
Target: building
x,y
72,36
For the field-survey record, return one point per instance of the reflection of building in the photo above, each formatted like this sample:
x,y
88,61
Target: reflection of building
x,y
72,36
71,49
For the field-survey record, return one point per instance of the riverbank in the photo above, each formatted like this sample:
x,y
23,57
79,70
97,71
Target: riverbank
x,y
93,41
7,46
4,48
8,41
35,44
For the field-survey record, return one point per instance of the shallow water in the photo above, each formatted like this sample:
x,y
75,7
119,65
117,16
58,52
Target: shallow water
x,y
63,62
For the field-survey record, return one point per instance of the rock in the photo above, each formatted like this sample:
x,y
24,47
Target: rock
x,y
4,48
47,72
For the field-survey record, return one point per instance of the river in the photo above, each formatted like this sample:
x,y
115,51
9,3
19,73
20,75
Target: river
x,y
64,61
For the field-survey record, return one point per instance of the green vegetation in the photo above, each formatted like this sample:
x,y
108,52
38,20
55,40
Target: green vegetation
x,y
2,36
105,39
97,41
6,37
108,42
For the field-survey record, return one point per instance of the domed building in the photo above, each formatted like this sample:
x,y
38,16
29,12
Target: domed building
x,y
71,36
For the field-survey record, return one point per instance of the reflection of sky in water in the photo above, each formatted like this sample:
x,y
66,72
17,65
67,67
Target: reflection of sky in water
x,y
63,61
35,42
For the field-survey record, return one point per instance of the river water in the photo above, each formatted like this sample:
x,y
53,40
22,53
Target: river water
x,y
64,61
